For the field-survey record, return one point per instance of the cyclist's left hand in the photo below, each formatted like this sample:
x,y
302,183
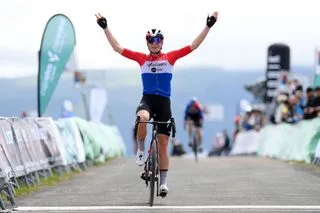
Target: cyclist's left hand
x,y
212,19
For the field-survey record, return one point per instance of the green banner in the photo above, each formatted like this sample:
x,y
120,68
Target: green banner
x,y
290,141
57,46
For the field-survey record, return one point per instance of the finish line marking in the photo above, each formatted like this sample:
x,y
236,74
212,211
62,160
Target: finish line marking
x,y
86,208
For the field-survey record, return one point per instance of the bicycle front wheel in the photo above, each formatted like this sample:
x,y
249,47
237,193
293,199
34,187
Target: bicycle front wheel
x,y
195,147
153,160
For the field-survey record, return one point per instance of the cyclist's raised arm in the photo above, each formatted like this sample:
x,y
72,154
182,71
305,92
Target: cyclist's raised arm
x,y
102,21
199,39
173,56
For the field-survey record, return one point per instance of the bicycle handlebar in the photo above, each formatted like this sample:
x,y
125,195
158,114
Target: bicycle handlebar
x,y
171,123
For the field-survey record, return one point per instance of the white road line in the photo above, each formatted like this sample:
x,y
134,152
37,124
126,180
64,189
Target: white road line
x,y
86,208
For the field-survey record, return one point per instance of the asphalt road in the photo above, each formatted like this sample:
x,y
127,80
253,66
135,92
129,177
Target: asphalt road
x,y
226,184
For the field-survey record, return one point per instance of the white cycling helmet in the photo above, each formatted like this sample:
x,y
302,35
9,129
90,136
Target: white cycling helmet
x,y
154,33
194,99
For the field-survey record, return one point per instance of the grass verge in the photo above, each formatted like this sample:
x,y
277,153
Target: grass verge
x,y
305,165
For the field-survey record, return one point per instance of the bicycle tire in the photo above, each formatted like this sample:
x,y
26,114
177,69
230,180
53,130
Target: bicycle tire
x,y
195,148
153,172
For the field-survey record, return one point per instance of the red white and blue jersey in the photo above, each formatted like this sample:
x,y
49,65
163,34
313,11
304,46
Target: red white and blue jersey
x,y
156,70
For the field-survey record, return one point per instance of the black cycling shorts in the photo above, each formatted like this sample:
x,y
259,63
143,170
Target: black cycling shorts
x,y
159,108
196,119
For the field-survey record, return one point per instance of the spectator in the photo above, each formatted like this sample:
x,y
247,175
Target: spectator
x,y
316,102
221,145
282,109
299,94
67,109
248,121
292,115
177,148
297,104
258,119
227,143
293,85
217,145
23,114
308,112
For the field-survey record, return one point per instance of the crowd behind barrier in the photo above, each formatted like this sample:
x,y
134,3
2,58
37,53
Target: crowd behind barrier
x,y
31,148
299,141
292,104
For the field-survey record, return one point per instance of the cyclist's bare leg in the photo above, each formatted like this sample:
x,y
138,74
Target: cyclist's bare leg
x,y
142,128
199,135
190,126
163,157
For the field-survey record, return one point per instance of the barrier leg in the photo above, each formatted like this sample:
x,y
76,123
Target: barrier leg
x,y
2,206
10,195
83,166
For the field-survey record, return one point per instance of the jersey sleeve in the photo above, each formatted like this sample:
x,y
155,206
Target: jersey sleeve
x,y
173,56
136,56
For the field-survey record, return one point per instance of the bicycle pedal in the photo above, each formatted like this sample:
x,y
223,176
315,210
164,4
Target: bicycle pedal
x,y
163,194
144,176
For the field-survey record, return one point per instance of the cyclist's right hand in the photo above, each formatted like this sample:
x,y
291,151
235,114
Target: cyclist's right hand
x,y
102,21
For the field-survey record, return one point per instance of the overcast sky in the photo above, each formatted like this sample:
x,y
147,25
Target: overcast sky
x,y
239,40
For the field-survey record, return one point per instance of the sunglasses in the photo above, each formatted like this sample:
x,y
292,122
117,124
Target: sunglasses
x,y
153,40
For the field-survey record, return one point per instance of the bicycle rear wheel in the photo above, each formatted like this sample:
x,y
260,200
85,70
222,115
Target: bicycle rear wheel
x,y
153,171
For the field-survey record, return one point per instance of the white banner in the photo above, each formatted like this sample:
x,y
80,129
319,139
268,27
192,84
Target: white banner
x,y
97,103
214,112
246,143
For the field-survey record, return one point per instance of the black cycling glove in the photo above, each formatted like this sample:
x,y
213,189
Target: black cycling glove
x,y
102,22
211,20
